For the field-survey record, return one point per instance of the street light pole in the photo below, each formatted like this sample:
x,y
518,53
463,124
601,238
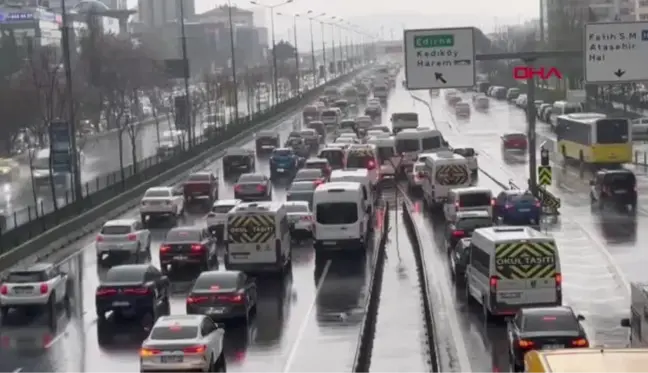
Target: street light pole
x,y
233,52
333,46
312,42
75,167
185,66
297,55
324,52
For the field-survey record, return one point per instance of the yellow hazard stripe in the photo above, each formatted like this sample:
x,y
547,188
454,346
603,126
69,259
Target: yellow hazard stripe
x,y
251,228
525,260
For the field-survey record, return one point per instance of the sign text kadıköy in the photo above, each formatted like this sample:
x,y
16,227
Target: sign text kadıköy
x,y
615,52
439,58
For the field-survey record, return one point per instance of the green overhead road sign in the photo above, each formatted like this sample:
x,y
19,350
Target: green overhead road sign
x,y
434,41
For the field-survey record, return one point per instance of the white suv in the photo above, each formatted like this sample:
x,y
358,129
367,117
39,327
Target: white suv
x,y
123,238
217,217
41,284
162,202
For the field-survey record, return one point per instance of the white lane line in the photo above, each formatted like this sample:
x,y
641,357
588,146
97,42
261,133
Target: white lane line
x,y
54,340
17,370
302,328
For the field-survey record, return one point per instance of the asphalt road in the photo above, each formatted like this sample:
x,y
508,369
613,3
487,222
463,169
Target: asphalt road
x,y
101,160
307,321
599,252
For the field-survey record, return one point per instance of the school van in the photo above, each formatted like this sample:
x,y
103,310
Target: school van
x,y
341,217
361,176
443,172
468,199
513,267
257,237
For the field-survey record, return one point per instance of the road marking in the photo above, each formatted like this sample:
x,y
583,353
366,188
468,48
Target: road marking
x,y
302,328
55,339
17,370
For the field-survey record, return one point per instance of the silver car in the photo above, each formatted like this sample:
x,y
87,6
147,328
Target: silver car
x,y
183,343
125,238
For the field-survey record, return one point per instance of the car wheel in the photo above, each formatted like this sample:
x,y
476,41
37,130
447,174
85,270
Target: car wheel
x,y
220,365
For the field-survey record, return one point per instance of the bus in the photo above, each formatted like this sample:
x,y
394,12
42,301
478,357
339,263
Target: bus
x,y
593,138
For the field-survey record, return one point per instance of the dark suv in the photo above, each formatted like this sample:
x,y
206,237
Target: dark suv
x,y
617,187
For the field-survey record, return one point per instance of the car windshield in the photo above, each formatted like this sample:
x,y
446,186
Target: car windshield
x,y
308,133
26,276
329,113
216,282
251,178
296,208
334,157
199,177
282,153
116,229
222,209
523,198
470,224
41,163
157,193
125,274
183,235
620,180
173,332
474,199
555,322
337,213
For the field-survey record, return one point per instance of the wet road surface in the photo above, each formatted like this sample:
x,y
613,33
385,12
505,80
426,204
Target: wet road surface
x,y
598,251
319,307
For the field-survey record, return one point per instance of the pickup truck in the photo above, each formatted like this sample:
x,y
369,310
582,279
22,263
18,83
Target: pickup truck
x,y
201,185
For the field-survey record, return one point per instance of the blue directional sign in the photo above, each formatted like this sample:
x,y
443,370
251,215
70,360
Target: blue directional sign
x,y
60,146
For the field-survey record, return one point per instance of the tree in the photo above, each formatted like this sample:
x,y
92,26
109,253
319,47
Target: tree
x,y
284,51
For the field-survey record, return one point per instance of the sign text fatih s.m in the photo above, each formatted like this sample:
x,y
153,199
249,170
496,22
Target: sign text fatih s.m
x,y
527,72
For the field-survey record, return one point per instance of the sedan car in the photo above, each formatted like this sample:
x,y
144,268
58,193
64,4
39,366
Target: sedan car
x,y
223,295
311,137
300,219
310,174
253,187
543,328
301,191
514,142
459,256
188,246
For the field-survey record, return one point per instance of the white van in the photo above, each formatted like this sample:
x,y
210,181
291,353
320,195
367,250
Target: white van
x,y
341,217
468,199
41,172
386,152
364,156
511,268
358,175
431,140
443,172
562,108
471,156
401,121
257,237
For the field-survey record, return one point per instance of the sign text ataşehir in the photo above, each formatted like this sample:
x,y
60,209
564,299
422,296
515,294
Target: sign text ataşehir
x,y
434,41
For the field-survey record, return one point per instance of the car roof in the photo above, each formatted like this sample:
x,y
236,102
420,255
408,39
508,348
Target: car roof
x,y
182,320
35,267
282,149
226,202
617,171
130,268
219,274
547,311
118,222
161,189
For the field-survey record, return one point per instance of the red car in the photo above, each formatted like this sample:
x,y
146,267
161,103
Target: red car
x,y
515,141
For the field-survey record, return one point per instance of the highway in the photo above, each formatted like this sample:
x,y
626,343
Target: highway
x,y
101,159
319,308
598,253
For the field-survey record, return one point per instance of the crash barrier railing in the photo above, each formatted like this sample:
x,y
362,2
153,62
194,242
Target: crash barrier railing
x,y
362,360
424,285
550,203
81,219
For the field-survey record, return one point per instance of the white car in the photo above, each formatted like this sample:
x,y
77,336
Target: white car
x,y
161,202
183,343
300,219
521,101
415,178
346,141
217,217
41,284
124,238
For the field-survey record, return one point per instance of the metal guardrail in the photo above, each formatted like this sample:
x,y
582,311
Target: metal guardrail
x,y
362,360
58,234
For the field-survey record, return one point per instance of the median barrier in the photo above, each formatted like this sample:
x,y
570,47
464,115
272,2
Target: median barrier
x,y
55,231
362,360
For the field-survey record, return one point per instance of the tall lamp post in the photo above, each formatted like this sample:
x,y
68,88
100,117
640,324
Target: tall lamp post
x,y
233,53
185,68
338,23
275,77
333,18
67,61
295,16
323,42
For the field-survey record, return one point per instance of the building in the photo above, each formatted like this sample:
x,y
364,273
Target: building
x,y
641,10
220,14
156,13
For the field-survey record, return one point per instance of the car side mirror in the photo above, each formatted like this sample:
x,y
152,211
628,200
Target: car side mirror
x,y
580,317
625,323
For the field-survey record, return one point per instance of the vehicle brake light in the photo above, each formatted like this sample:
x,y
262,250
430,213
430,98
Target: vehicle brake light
x,y
458,233
104,292
197,248
144,352
238,188
4,290
6,341
493,283
193,300
231,298
371,165
132,237
558,279
195,349
261,188
317,181
306,218
100,238
211,215
580,342
493,202
420,175
164,249
137,291
47,339
538,204
523,343
44,288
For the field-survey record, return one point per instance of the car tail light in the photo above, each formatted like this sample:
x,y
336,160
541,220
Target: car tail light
x,y
44,288
493,283
47,339
194,300
197,248
195,349
231,298
420,175
458,233
558,281
132,237
318,182
493,202
238,188
137,291
100,238
105,292
6,341
261,188
164,249
145,352
306,218
538,204
525,344
371,165
4,290
580,342
457,205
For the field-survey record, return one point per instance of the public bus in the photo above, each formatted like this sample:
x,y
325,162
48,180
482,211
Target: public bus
x,y
593,138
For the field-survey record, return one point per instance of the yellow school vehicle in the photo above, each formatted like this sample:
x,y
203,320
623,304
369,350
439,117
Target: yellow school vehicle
x,y
593,138
587,360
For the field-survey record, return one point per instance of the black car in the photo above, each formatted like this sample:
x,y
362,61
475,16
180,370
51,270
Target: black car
x,y
314,175
301,191
543,328
459,255
223,295
465,224
266,142
253,187
132,291
238,161
616,187
188,246
374,112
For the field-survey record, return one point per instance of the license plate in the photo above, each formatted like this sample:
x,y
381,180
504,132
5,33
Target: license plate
x,y
22,291
280,170
510,295
552,347
120,304
171,359
180,257
216,310
524,210
620,191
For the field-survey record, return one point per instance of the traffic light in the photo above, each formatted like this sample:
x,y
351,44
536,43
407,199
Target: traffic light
x,y
544,157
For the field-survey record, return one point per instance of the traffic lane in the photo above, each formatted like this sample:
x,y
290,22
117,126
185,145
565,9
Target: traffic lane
x,y
594,278
400,313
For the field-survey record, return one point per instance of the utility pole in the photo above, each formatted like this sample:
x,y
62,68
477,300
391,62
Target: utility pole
x,y
333,47
313,62
324,53
75,166
233,52
185,65
297,54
